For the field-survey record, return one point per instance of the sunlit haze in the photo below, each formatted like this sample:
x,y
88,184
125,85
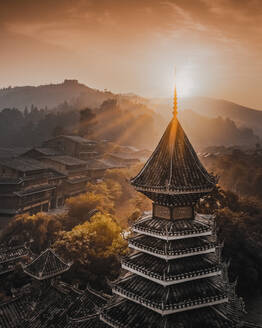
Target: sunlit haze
x,y
133,46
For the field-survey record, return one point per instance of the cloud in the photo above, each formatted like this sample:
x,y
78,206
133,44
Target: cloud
x,y
125,45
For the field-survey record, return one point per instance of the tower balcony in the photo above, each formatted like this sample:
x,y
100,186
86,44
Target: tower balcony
x,y
174,229
173,299
172,249
173,272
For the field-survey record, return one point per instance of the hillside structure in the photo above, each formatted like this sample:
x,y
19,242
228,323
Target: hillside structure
x,y
175,276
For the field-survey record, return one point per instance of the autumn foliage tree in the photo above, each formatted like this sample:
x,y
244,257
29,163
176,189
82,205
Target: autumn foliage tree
x,y
94,247
39,229
80,206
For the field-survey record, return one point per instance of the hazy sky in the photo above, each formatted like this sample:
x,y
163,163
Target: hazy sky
x,y
133,46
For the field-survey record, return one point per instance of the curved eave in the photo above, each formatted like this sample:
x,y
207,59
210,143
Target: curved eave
x,y
49,276
173,256
174,308
168,281
170,237
166,235
178,191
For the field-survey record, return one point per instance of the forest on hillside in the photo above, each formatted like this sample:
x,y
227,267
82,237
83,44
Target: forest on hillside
x,y
120,121
123,124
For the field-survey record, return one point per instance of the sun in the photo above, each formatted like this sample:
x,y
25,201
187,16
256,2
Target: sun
x,y
184,82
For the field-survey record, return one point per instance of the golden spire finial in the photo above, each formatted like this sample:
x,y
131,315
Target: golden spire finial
x,y
175,100
175,104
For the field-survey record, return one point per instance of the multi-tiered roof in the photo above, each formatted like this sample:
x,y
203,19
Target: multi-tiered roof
x,y
175,276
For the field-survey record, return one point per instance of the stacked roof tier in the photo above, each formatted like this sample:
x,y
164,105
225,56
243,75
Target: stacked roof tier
x,y
172,249
173,229
176,271
131,315
171,299
173,173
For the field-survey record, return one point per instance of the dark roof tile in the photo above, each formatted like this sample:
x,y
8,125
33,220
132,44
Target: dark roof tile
x,y
46,265
174,166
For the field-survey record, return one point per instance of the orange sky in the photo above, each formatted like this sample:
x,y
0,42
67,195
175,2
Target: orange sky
x,y
133,46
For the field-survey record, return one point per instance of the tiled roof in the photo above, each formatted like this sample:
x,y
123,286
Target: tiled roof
x,y
171,228
174,166
45,151
12,253
173,248
46,265
175,297
67,160
129,315
12,151
22,164
86,305
37,308
12,313
98,164
93,322
175,270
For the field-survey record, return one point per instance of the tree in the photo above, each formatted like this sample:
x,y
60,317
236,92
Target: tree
x,y
80,206
95,247
87,122
40,228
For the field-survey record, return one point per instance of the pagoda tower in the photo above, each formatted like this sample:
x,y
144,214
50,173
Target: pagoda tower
x,y
175,278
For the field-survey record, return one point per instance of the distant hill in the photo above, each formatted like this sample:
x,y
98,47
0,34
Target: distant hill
x,y
206,131
128,118
52,95
242,116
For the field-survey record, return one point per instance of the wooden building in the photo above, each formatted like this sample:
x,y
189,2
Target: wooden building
x,y
74,169
75,146
175,275
27,185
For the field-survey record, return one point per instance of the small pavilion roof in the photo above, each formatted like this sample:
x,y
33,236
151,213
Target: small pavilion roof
x,y
46,265
174,167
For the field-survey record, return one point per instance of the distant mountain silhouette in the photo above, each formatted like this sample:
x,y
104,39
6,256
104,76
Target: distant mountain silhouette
x,y
242,116
52,95
132,119
206,131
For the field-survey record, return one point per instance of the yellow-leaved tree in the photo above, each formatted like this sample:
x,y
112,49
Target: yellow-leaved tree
x,y
40,229
80,206
94,247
